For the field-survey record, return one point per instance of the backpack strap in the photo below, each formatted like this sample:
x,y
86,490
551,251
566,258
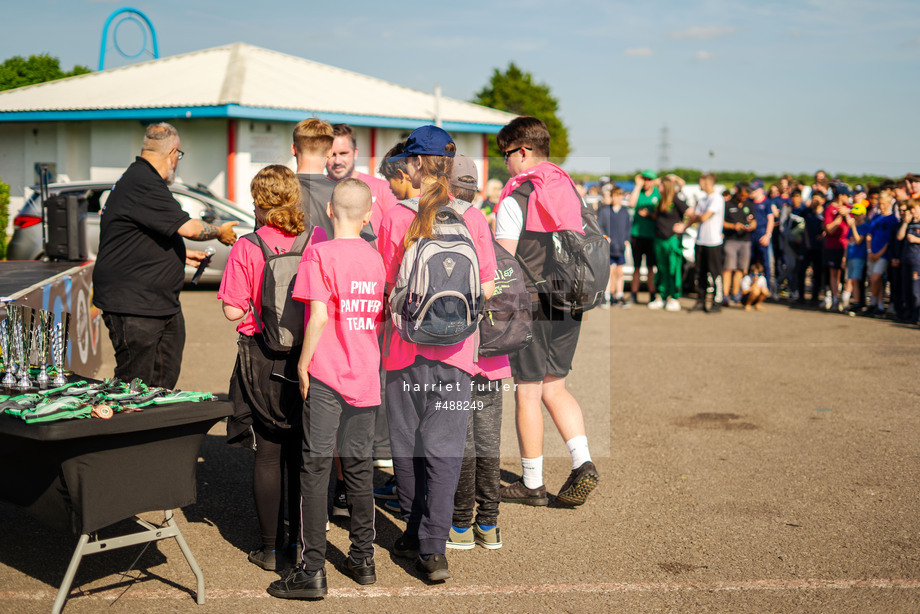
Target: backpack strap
x,y
253,237
300,243
460,206
410,203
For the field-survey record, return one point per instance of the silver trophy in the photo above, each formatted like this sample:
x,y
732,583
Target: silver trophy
x,y
59,348
14,330
9,377
22,339
41,336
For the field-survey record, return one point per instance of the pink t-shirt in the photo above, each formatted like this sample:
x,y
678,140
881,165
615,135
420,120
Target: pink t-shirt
x,y
390,244
493,367
839,237
383,198
347,275
242,279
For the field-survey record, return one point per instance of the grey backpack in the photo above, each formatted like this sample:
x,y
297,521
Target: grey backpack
x,y
438,297
280,317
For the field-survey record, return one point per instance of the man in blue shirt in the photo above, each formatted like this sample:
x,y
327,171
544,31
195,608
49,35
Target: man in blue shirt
x,y
878,245
762,235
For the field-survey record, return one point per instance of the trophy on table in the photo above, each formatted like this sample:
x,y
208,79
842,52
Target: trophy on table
x,y
9,371
59,338
22,339
41,337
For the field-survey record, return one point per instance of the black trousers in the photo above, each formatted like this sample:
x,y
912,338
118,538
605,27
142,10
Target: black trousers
x,y
147,347
381,427
480,473
811,258
325,414
428,434
709,270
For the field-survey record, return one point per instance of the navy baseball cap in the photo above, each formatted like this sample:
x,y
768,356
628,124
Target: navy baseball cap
x,y
426,141
756,184
842,189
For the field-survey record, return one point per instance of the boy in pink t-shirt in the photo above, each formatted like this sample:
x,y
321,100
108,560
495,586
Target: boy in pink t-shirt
x,y
342,281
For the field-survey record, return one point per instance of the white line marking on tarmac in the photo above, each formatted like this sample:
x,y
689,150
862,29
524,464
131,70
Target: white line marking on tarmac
x,y
504,589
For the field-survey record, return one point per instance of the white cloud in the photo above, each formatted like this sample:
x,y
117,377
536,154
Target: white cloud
x,y
704,33
639,52
702,56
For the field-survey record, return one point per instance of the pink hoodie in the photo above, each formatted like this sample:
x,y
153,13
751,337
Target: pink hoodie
x,y
554,204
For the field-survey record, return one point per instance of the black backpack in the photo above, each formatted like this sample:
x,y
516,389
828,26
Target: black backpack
x,y
438,298
280,317
579,266
506,325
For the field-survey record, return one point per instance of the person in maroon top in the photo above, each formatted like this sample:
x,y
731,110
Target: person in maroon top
x,y
837,231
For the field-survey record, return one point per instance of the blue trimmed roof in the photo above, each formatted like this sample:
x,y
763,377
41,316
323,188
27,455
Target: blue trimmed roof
x,y
245,82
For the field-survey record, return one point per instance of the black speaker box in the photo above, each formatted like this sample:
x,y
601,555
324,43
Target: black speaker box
x,y
65,217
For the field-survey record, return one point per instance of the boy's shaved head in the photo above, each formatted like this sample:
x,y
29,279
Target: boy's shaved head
x,y
351,199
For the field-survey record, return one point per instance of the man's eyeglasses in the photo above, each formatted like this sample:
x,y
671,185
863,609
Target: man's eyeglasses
x,y
178,151
508,153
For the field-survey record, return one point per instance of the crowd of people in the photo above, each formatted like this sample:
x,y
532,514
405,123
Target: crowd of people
x,y
329,380
339,372
851,249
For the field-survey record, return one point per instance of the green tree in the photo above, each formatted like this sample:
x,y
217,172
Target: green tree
x,y
516,92
18,71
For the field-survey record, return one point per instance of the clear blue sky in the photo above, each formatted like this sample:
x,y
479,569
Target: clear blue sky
x,y
767,86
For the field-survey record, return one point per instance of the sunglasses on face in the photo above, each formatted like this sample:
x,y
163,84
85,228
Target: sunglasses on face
x,y
510,152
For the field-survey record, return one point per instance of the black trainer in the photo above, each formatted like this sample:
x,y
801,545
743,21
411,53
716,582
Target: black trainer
x,y
435,568
269,560
406,547
518,493
340,504
300,584
579,485
361,571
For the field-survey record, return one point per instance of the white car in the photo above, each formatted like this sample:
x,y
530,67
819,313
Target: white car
x,y
198,202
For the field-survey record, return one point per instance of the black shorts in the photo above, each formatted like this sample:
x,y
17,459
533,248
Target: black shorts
x,y
643,246
555,336
833,258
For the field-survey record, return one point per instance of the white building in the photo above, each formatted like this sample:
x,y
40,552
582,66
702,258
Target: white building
x,y
234,106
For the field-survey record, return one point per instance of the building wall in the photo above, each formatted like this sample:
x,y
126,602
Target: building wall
x,y
101,150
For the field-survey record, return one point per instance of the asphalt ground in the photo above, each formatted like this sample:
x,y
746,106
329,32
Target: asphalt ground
x,y
750,462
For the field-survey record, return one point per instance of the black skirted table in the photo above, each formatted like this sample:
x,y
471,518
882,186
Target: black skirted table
x,y
87,474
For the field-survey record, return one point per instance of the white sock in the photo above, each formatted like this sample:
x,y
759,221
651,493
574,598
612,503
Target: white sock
x,y
578,448
533,472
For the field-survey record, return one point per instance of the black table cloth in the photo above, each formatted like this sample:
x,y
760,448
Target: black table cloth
x,y
86,474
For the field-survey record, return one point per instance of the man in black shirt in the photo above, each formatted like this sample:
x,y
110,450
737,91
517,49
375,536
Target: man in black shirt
x,y
736,228
140,267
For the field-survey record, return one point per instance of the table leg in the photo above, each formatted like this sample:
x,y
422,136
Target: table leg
x,y
64,591
170,521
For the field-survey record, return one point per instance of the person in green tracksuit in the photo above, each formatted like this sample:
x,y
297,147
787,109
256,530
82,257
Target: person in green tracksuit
x,y
669,227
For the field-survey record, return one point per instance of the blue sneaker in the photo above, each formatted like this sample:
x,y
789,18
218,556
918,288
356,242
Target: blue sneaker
x,y
387,491
392,506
